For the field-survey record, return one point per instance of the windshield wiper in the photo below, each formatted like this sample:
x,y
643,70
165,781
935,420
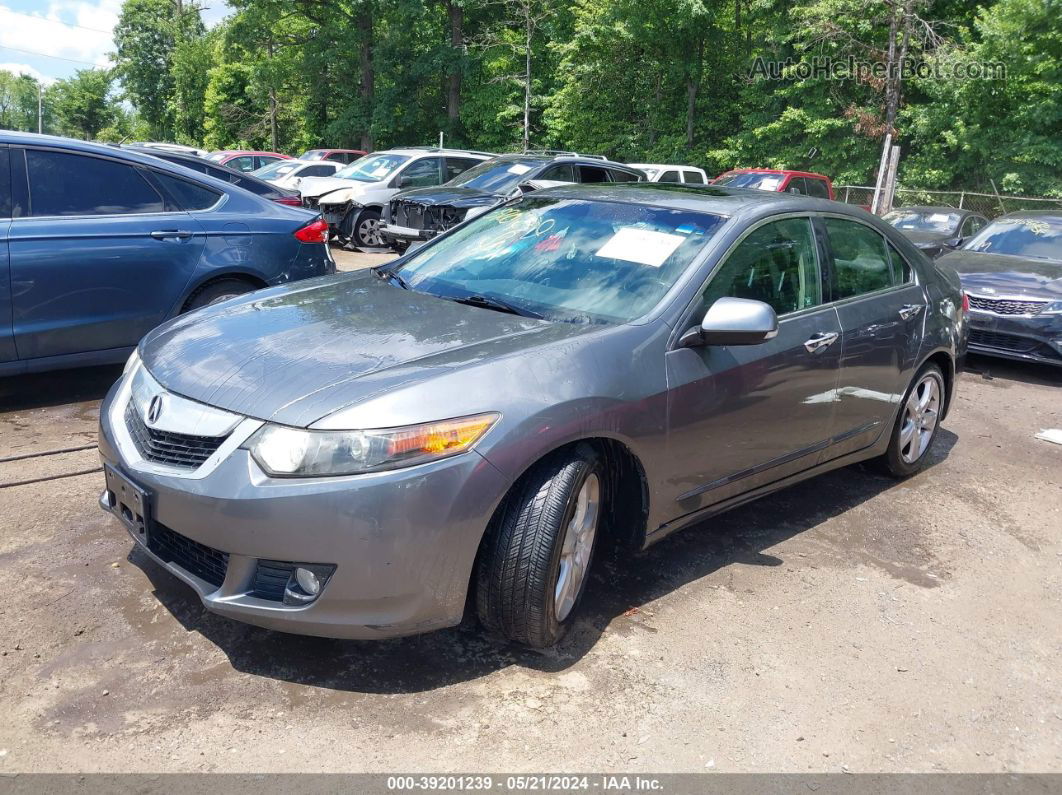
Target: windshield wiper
x,y
497,305
388,273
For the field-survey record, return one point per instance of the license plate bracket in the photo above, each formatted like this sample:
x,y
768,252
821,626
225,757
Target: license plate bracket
x,y
132,504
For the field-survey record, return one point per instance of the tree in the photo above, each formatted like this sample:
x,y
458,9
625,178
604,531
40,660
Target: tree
x,y
82,104
18,103
147,34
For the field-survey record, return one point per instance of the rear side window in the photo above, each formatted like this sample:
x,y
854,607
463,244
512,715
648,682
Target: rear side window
x,y
817,188
5,184
67,184
623,176
694,177
860,259
592,174
458,165
670,176
188,195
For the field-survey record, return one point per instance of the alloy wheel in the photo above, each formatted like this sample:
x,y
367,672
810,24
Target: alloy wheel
x,y
920,418
369,232
577,546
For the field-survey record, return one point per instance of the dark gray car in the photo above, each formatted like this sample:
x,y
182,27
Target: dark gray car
x,y
936,230
1012,273
584,367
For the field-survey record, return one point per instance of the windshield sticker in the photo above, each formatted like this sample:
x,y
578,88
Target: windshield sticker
x,y
519,168
644,246
381,171
939,218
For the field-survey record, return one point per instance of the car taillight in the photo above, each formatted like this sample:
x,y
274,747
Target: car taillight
x,y
290,201
314,232
965,303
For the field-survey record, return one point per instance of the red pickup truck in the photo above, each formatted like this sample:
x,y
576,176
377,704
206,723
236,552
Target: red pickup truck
x,y
778,179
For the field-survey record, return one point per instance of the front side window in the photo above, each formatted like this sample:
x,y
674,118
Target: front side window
x,y
592,174
1037,237
68,184
670,176
796,185
860,259
566,259
622,176
455,166
972,225
562,172
817,188
775,264
317,171
372,168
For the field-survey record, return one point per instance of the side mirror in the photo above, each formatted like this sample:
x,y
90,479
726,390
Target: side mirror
x,y
733,321
954,242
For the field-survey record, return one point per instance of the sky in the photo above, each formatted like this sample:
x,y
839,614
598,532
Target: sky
x,y
52,39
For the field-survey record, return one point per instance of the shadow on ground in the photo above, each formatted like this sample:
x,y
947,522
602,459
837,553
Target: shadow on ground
x,y
39,390
993,368
425,662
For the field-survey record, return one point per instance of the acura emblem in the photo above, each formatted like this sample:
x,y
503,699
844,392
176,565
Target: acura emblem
x,y
154,409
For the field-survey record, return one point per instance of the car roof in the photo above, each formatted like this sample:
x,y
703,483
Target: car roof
x,y
1047,215
137,154
248,152
424,150
663,165
702,198
328,149
929,208
787,171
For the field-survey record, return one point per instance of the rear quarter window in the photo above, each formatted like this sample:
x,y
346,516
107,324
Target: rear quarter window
x,y
187,195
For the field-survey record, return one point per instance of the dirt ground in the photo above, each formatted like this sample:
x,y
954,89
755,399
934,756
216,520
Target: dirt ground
x,y
849,623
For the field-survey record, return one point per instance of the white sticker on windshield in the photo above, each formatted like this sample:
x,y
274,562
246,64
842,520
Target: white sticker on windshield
x,y
644,246
519,168
939,218
381,171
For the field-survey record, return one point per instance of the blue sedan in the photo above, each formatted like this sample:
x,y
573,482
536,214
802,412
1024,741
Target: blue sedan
x,y
99,245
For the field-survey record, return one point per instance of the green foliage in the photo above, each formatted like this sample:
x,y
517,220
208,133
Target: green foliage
x,y
82,104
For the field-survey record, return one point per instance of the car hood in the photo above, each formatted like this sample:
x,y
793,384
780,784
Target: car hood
x,y
297,353
451,196
1005,275
316,186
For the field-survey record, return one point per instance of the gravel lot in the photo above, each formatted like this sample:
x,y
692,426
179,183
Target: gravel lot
x,y
849,623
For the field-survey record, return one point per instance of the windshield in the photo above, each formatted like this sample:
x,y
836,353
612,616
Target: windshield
x,y
495,176
372,168
277,169
312,154
923,221
566,259
1038,238
751,180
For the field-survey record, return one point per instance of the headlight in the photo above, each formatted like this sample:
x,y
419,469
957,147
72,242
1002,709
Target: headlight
x,y
294,452
132,362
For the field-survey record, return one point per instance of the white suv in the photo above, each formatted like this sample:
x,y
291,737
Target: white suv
x,y
352,201
662,172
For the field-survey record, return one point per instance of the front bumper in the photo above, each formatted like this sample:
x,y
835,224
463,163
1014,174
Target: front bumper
x,y
402,542
394,232
1027,338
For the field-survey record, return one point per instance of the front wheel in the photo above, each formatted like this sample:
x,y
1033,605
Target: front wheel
x,y
533,567
367,230
917,424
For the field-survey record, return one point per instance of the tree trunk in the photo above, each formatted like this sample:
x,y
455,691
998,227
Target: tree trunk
x,y
457,40
368,76
897,55
528,29
693,83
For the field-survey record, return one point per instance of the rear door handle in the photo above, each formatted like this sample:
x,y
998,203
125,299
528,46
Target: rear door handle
x,y
908,311
821,341
163,234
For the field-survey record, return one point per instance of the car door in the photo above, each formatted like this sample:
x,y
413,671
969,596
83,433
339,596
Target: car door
x,y
99,259
7,342
743,416
882,310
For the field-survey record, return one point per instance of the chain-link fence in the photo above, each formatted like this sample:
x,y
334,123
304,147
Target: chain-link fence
x,y
988,204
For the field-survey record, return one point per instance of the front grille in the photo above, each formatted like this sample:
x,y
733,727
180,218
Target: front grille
x,y
164,447
204,562
1004,342
436,218
270,579
1003,306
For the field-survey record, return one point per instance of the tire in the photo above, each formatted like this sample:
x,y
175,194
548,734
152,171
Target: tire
x,y
544,531
217,292
918,417
366,230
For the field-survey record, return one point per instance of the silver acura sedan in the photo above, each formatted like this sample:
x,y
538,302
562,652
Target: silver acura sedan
x,y
582,370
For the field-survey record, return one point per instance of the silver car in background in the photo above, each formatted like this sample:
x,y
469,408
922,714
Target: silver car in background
x,y
580,370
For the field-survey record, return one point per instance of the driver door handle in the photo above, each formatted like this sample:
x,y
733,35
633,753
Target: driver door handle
x,y
163,234
908,311
821,341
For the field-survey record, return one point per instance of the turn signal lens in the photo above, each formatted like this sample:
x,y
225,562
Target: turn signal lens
x,y
965,303
295,452
314,232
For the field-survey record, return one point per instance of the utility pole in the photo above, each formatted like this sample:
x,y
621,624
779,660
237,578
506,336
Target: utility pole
x,y
40,109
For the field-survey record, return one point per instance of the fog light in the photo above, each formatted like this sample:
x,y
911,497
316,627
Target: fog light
x,y
308,581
